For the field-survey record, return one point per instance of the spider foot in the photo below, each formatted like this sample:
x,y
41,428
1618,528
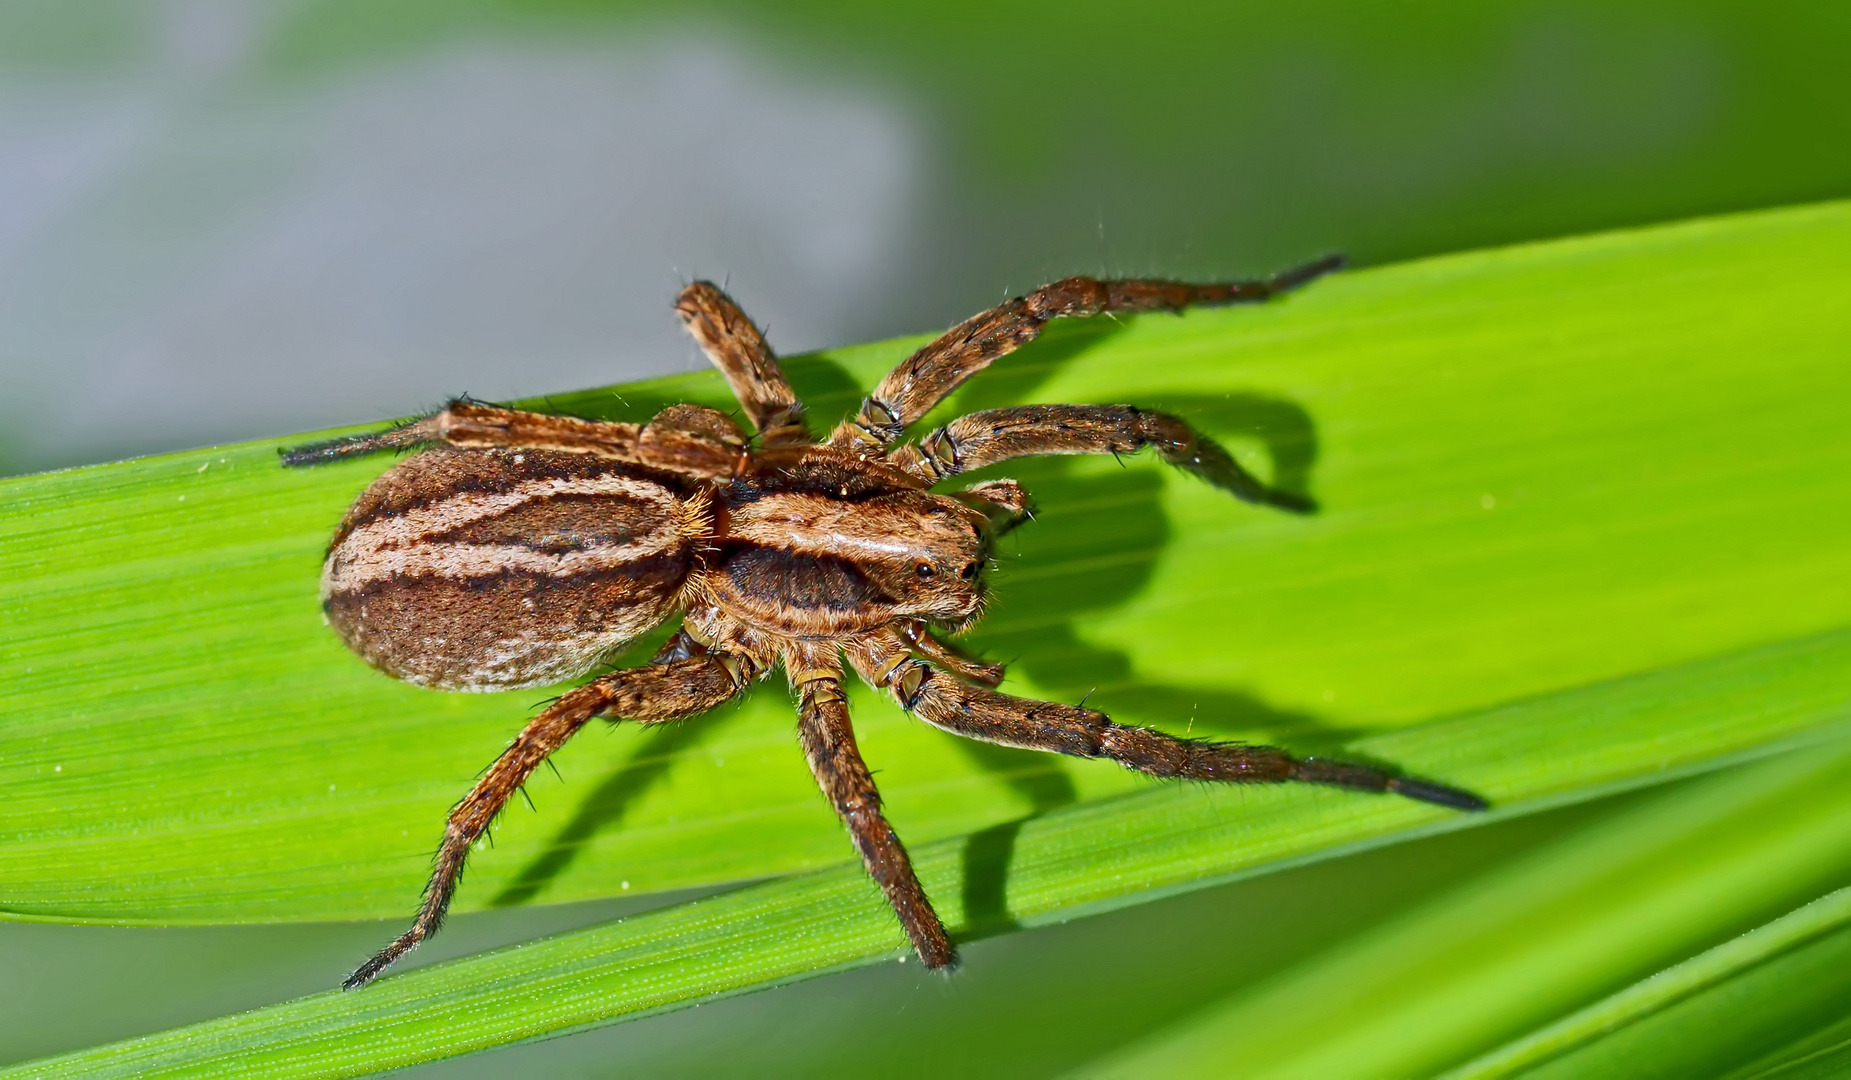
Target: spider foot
x,y
381,960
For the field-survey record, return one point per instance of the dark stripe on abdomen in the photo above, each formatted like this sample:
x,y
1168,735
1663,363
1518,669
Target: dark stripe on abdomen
x,y
442,474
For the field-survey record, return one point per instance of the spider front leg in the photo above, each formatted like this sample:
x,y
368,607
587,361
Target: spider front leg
x,y
828,739
472,425
985,438
978,712
943,654
924,379
741,353
646,695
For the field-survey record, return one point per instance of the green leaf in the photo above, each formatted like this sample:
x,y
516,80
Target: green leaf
x,y
1696,1016
1508,953
1601,479
1541,467
1083,859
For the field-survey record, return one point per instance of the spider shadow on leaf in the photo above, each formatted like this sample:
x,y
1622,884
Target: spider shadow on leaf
x,y
1093,548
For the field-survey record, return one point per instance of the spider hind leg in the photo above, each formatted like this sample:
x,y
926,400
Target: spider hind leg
x,y
645,695
409,435
472,425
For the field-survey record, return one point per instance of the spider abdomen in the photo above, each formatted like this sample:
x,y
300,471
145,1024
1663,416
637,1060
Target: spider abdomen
x,y
489,569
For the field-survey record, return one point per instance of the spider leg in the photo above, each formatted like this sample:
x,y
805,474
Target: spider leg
x,y
473,425
741,353
646,695
828,739
942,654
978,712
1002,501
923,379
985,438
683,646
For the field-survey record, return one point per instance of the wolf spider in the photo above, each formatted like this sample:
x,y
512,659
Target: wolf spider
x,y
520,549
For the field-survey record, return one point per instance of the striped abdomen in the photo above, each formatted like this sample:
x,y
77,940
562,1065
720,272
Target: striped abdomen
x,y
492,569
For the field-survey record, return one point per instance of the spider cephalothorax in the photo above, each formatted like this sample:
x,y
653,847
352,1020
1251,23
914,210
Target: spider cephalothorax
x,y
521,549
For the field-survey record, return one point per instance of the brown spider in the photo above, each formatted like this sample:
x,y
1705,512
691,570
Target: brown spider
x,y
521,549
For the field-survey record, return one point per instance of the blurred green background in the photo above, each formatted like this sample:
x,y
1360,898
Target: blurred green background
x,y
222,220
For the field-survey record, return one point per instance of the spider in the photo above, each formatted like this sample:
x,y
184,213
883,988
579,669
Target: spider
x,y
522,549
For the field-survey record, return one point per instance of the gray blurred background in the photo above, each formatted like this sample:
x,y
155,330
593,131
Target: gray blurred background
x,y
223,220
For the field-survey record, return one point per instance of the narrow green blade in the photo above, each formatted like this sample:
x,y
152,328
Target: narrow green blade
x,y
1513,951
1722,1006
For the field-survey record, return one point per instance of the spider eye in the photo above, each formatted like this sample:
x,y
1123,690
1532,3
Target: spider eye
x,y
924,569
969,573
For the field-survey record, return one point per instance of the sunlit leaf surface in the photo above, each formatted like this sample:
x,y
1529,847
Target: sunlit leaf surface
x,y
1118,851
1585,499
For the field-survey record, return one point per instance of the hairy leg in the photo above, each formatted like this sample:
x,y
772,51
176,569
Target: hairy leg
x,y
1004,502
470,424
993,435
942,654
646,695
828,740
978,712
741,353
923,379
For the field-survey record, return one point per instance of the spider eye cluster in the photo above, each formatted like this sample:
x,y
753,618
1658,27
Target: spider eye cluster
x,y
943,549
968,571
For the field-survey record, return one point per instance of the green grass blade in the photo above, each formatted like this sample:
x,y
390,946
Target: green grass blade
x,y
1535,939
1782,1017
1694,1017
1803,993
1081,859
1542,468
